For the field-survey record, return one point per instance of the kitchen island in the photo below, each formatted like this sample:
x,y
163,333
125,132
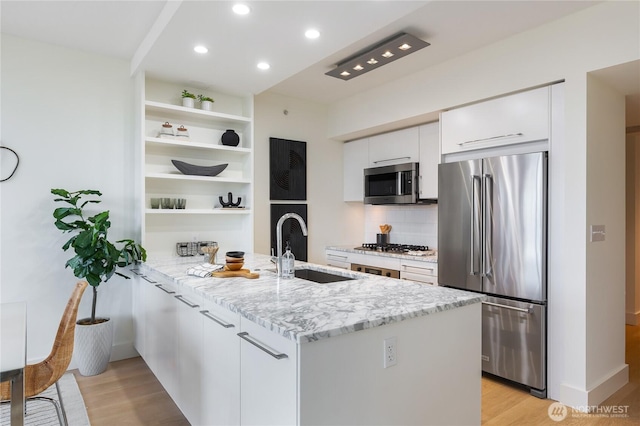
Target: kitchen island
x,y
370,350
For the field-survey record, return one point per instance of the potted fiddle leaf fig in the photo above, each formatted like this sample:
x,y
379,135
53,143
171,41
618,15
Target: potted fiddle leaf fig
x,y
96,260
188,99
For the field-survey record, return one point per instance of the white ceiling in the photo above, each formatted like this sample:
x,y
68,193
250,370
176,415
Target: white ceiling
x,y
158,37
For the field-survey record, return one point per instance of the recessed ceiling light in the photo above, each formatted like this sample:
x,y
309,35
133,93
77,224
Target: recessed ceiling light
x,y
345,73
372,61
387,54
405,46
263,65
312,34
358,67
241,9
200,49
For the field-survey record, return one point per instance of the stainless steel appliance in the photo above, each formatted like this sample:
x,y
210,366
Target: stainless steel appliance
x,y
390,273
396,184
492,238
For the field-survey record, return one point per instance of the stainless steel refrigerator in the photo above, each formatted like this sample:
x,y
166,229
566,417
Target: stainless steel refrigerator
x,y
492,238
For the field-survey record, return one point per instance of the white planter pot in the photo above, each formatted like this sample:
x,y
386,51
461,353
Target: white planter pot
x,y
206,105
188,102
93,344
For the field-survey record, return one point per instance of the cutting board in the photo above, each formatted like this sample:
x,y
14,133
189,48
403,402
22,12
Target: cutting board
x,y
244,273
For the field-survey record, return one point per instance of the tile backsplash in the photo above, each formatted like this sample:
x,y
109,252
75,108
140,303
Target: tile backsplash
x,y
410,224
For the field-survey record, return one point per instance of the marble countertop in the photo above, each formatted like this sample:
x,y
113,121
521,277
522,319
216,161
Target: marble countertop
x,y
305,311
351,249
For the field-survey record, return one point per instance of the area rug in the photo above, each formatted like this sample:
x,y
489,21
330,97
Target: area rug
x,y
42,413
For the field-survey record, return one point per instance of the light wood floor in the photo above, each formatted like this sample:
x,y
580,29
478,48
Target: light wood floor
x,y
129,394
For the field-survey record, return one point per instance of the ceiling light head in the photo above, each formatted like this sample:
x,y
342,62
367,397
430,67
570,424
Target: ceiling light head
x,y
241,9
200,49
264,65
385,52
312,34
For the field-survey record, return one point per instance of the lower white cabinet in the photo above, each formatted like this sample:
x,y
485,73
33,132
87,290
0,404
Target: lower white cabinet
x,y
269,377
189,356
161,339
423,272
338,259
220,366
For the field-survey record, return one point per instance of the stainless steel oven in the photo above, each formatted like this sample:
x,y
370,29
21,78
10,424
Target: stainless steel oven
x,y
384,272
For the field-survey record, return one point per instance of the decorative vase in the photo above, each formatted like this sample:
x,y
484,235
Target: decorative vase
x,y
230,138
93,346
188,102
206,105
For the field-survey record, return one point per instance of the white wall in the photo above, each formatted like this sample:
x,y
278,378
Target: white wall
x,y
68,114
566,49
329,219
605,285
633,229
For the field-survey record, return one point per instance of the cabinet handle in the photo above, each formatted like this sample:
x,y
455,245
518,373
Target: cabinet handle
x,y
165,290
211,317
391,159
528,310
148,280
245,336
136,271
186,302
510,135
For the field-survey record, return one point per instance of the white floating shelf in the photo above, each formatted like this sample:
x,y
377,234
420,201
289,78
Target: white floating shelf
x,y
181,111
175,176
189,144
215,211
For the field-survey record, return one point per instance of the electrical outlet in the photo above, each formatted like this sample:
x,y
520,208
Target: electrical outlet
x,y
390,352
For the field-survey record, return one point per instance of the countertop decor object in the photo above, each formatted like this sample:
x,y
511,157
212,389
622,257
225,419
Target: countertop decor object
x,y
192,169
230,138
188,99
229,202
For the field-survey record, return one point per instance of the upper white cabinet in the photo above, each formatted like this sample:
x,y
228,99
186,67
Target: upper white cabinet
x,y
429,159
397,147
356,159
522,117
203,219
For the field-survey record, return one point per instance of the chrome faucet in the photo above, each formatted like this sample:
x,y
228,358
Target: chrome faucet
x,y
279,236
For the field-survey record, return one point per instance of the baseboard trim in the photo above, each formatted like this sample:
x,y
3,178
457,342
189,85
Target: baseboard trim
x,y
123,351
583,400
632,318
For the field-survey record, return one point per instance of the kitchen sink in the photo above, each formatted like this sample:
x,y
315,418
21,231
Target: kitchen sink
x,y
320,277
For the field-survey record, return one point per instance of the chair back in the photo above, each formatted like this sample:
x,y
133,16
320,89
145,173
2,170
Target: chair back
x,y
38,377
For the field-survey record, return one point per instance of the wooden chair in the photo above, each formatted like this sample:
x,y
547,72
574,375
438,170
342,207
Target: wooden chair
x,y
38,377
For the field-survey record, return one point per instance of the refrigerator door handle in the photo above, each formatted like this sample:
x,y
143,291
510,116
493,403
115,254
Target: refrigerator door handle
x,y
487,237
528,310
475,223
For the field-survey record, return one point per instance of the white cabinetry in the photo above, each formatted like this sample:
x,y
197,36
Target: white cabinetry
x,y
189,356
338,259
160,340
220,367
429,159
423,272
203,219
397,147
268,389
518,118
355,159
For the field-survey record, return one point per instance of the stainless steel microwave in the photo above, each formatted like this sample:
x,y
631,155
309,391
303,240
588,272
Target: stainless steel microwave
x,y
396,184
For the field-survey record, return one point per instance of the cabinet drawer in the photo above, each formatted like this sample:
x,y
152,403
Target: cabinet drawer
x,y
338,259
518,118
425,279
423,268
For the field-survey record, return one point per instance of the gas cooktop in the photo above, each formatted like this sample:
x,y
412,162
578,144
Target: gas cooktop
x,y
392,248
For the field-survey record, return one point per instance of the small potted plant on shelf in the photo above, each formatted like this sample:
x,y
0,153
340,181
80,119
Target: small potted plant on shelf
x,y
96,260
205,102
188,99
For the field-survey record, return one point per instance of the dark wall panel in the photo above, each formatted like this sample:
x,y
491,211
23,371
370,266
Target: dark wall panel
x,y
291,230
287,169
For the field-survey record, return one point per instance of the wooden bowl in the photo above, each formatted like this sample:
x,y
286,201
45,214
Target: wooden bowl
x,y
234,259
234,266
